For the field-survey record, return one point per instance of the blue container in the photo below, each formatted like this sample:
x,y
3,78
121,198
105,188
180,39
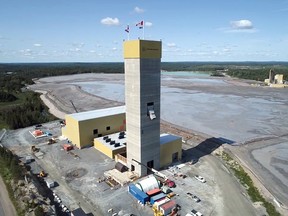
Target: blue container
x,y
138,194
153,199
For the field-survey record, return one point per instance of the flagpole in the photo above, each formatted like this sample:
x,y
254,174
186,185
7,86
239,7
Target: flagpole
x,y
143,33
128,33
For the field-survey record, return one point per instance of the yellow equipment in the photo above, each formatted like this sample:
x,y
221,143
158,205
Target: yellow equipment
x,y
42,174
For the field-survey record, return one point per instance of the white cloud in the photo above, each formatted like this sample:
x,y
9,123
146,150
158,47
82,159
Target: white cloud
x,y
171,44
138,10
114,48
78,45
76,49
37,45
241,24
110,21
148,24
26,52
92,51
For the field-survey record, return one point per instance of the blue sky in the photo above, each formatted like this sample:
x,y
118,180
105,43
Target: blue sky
x,y
190,30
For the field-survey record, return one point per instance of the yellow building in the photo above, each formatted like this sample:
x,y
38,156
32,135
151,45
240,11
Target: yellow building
x,y
170,149
112,144
81,128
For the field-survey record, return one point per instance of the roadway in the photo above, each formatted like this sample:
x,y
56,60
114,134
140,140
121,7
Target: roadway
x,y
6,206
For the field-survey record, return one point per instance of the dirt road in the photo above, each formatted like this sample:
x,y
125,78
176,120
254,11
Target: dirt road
x,y
6,206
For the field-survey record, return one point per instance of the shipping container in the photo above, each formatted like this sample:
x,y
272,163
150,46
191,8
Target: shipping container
x,y
153,199
153,192
160,202
138,194
167,207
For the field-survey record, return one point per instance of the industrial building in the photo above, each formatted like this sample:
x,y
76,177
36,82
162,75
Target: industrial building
x,y
81,128
142,60
130,134
276,80
114,146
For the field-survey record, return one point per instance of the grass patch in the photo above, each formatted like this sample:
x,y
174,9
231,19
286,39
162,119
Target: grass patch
x,y
247,182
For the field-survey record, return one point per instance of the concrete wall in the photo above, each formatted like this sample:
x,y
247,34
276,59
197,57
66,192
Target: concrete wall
x,y
168,149
81,132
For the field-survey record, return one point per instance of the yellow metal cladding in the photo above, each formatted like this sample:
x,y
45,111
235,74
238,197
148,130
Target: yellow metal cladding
x,y
167,150
71,130
102,148
106,150
142,49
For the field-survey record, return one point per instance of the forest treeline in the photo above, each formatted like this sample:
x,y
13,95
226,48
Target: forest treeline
x,y
31,111
21,108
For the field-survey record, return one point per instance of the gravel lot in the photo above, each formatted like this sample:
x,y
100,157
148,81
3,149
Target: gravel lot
x,y
223,108
78,179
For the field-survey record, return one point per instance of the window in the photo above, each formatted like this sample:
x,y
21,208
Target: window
x,y
175,157
150,165
108,128
95,131
150,110
132,167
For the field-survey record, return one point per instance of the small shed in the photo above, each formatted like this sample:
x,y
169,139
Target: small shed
x,y
37,133
167,207
148,184
67,147
50,183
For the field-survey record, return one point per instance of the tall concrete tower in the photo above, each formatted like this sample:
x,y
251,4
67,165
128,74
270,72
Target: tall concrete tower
x,y
142,61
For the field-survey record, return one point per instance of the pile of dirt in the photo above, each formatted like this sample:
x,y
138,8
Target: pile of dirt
x,y
75,173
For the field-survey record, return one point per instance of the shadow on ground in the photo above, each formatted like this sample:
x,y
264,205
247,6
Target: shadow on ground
x,y
204,148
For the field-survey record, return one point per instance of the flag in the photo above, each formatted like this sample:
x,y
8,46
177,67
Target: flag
x,y
140,24
127,29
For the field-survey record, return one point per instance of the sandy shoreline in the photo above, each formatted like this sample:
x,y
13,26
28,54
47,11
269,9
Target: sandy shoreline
x,y
6,206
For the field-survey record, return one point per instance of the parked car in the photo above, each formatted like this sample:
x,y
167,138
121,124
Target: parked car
x,y
200,178
195,213
170,183
195,198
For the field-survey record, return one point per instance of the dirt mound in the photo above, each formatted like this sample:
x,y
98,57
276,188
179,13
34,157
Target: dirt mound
x,y
75,173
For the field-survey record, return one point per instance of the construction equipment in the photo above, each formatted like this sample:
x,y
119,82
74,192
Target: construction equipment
x,y
34,149
42,174
159,176
51,141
